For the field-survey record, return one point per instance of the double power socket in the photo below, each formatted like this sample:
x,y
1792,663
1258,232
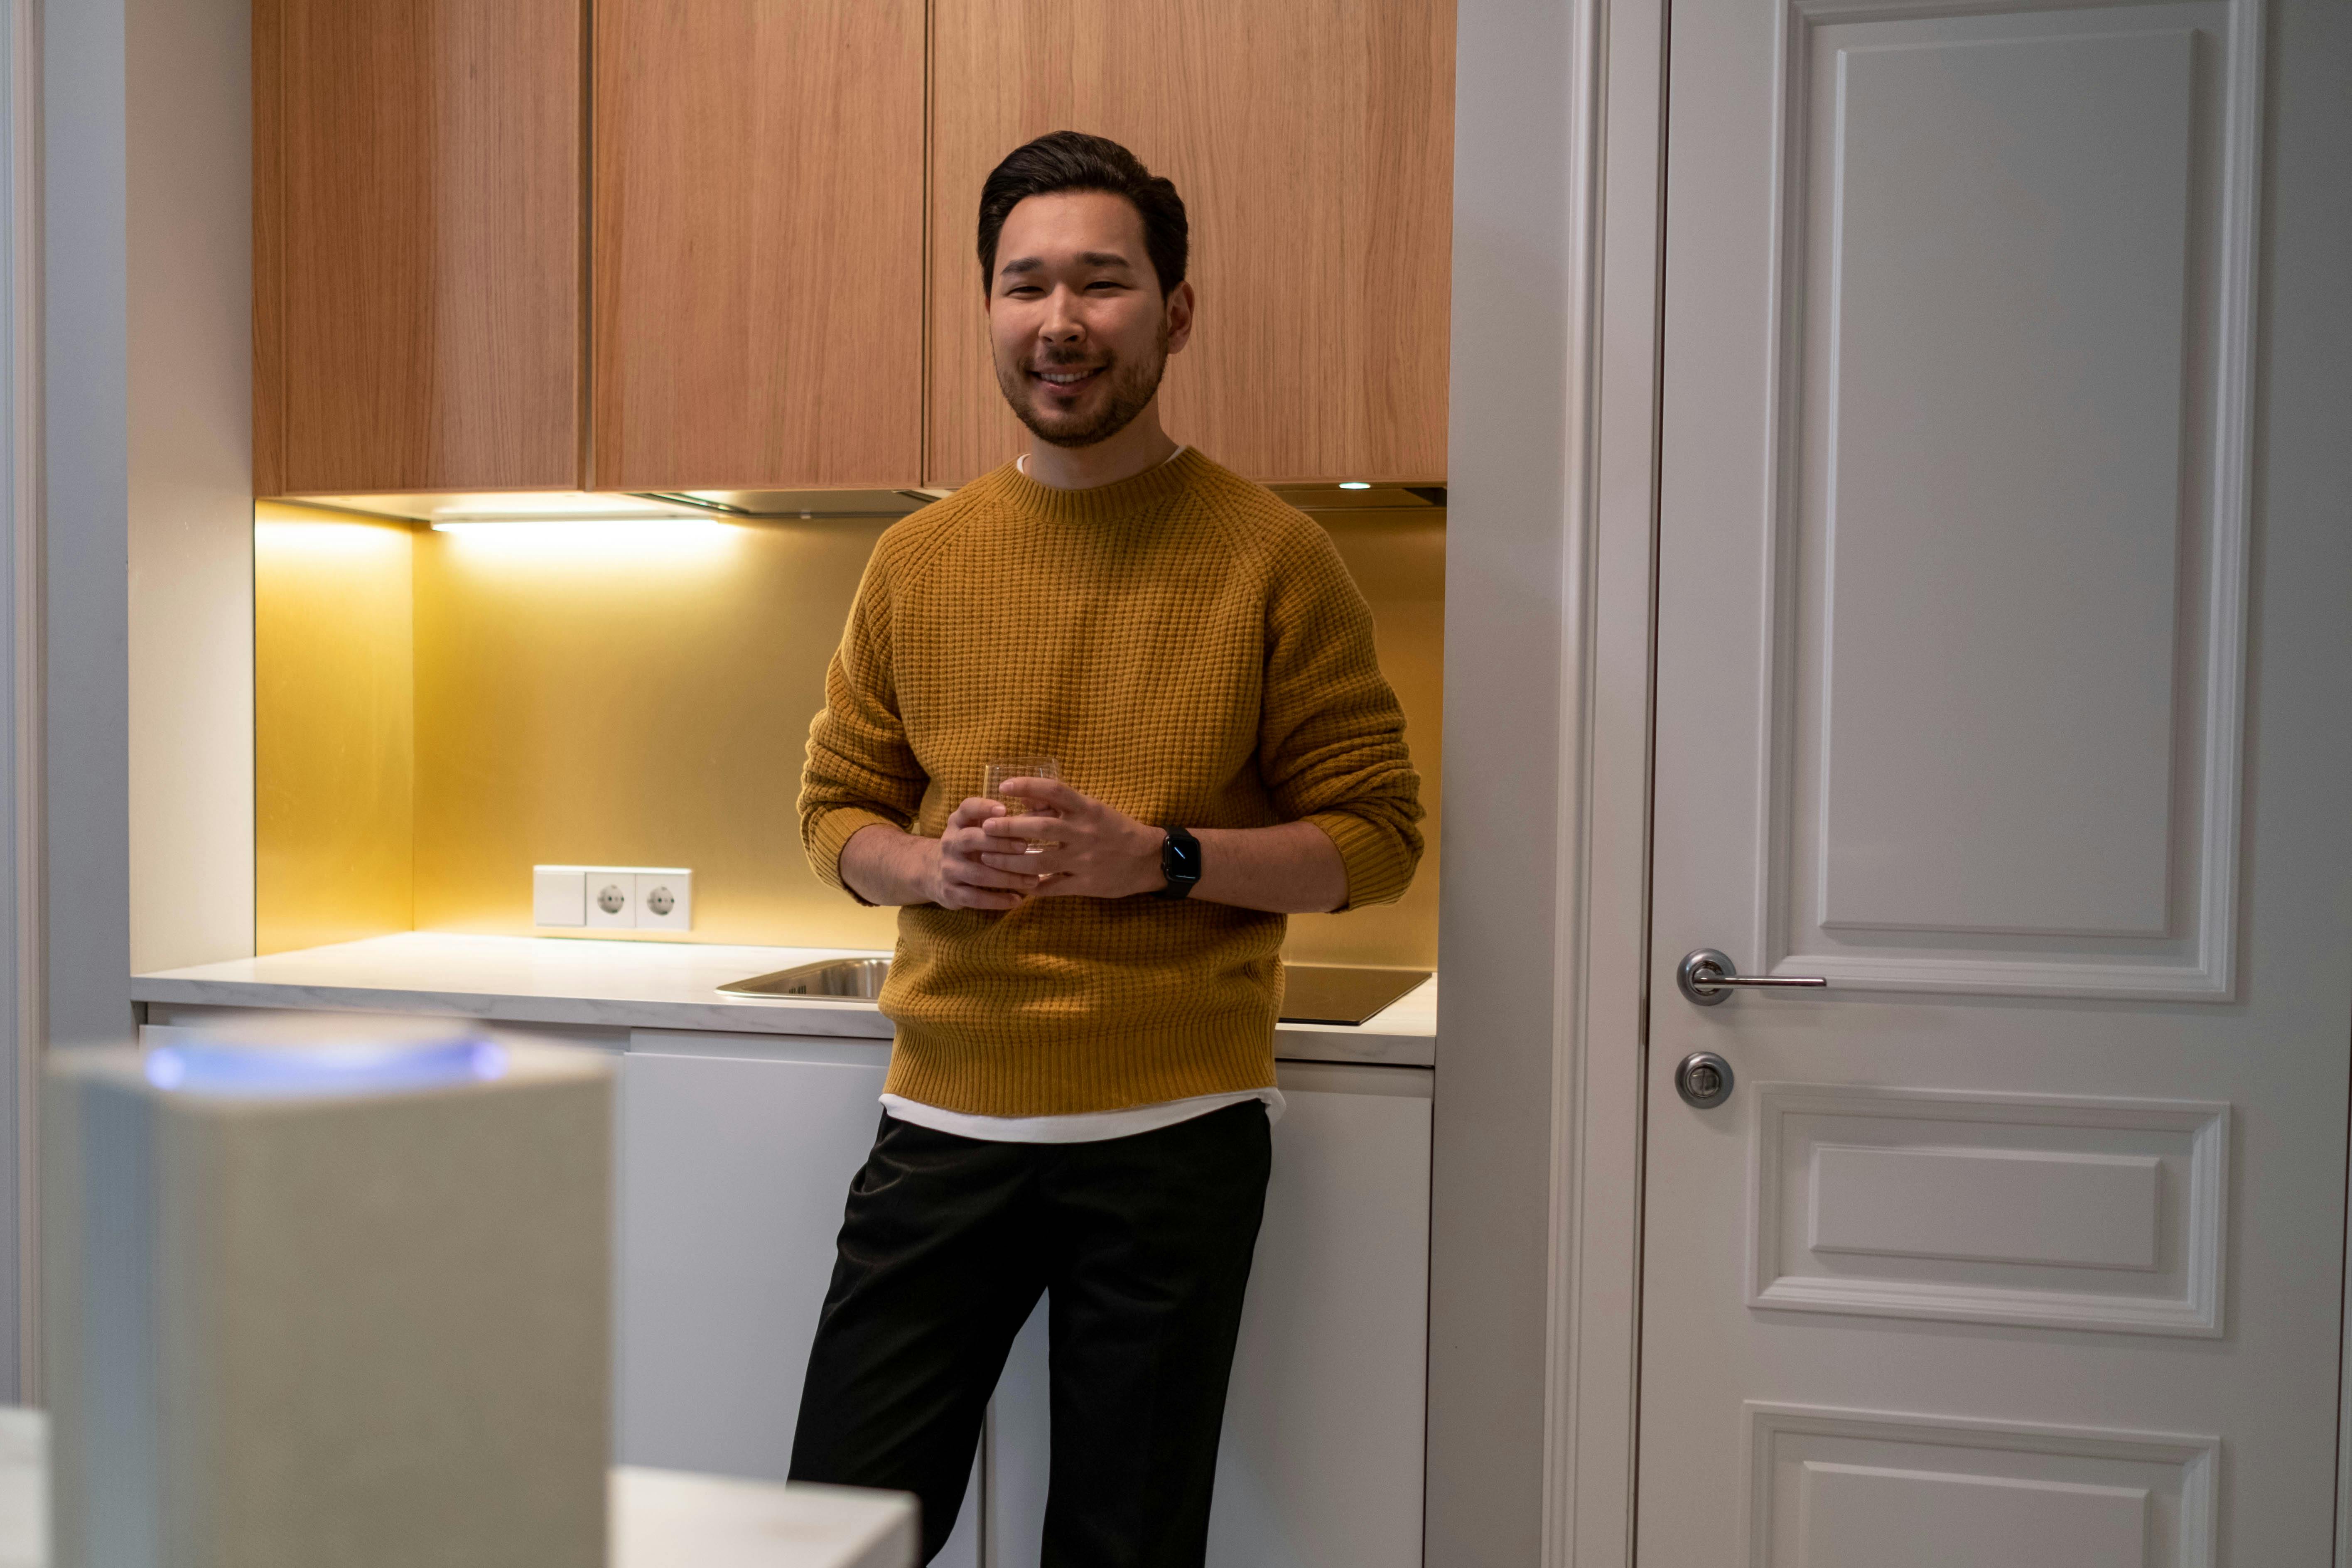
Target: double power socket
x,y
613,897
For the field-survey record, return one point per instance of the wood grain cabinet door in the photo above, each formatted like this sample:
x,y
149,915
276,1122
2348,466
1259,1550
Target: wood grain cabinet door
x,y
759,242
418,245
1314,147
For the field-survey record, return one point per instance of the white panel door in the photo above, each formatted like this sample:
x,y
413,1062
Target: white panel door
x,y
1981,670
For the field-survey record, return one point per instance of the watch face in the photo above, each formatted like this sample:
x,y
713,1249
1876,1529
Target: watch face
x,y
1180,860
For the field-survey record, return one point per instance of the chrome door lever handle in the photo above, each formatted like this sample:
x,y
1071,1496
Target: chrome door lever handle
x,y
1709,978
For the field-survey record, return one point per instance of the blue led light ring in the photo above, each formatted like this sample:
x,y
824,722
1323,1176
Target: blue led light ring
x,y
261,1072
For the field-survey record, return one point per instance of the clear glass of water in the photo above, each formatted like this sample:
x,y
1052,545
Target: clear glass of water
x,y
1004,768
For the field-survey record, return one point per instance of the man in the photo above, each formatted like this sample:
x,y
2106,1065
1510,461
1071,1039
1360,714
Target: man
x,y
1083,1079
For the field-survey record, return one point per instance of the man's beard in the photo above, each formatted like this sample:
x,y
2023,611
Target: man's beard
x,y
1132,386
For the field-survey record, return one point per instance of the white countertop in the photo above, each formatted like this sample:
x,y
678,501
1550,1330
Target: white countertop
x,y
660,1519
642,985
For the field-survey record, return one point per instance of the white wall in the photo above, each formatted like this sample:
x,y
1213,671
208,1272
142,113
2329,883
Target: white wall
x,y
19,624
1505,845
85,939
190,171
85,480
145,323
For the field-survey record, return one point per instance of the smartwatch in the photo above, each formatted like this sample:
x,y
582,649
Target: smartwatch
x,y
1179,862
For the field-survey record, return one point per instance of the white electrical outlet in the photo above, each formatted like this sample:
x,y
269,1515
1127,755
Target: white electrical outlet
x,y
612,898
559,895
666,900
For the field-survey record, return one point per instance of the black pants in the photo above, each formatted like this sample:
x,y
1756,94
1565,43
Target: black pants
x,y
1142,1245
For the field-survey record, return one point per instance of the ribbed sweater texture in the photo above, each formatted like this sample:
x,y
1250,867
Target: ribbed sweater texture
x,y
1193,652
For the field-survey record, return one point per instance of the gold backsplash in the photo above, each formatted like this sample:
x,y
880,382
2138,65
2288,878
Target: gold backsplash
x,y
334,727
438,711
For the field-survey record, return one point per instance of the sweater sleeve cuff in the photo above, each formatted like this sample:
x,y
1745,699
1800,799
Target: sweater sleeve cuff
x,y
826,837
1380,867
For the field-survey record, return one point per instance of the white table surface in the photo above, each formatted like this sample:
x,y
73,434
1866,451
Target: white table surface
x,y
642,985
665,1519
661,1519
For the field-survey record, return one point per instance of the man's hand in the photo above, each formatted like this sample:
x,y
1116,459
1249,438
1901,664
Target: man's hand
x,y
969,878
885,866
1098,851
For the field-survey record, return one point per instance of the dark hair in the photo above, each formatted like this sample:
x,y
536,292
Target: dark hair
x,y
1074,161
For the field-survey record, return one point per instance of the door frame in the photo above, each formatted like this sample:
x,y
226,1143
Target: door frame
x,y
1601,1047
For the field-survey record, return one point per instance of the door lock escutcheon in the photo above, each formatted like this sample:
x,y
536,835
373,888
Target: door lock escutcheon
x,y
1704,1079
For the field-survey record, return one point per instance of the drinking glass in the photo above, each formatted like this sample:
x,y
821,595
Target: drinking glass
x,y
1004,768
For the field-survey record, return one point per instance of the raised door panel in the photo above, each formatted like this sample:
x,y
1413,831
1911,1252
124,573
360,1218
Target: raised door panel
x,y
2055,1211
1857,1488
2010,513
759,242
1313,146
418,245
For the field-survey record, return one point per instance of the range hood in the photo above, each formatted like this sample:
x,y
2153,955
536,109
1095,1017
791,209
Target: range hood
x,y
524,506
528,506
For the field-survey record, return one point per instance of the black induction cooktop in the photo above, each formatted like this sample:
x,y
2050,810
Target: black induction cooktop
x,y
1334,993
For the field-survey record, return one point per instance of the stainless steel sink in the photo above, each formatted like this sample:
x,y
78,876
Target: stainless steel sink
x,y
842,979
1316,992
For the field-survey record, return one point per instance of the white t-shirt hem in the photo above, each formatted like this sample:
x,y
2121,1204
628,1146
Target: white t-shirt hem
x,y
1082,1126
1021,463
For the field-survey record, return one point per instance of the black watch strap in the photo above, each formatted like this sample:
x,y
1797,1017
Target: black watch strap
x,y
1180,863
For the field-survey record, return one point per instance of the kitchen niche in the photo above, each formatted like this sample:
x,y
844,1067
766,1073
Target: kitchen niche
x,y
440,706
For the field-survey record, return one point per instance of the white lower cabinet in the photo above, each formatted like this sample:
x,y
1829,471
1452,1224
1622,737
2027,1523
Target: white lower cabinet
x,y
735,1157
1321,1460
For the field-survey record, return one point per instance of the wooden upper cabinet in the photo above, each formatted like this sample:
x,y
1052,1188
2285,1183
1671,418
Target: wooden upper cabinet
x,y
758,241
1313,144
427,289
418,245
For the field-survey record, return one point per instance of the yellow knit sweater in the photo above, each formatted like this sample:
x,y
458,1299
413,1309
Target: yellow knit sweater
x,y
1193,652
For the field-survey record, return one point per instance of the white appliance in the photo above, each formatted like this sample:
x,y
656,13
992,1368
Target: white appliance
x,y
343,1304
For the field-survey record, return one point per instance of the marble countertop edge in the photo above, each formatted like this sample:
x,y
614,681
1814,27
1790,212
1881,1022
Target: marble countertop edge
x,y
639,985
746,1017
